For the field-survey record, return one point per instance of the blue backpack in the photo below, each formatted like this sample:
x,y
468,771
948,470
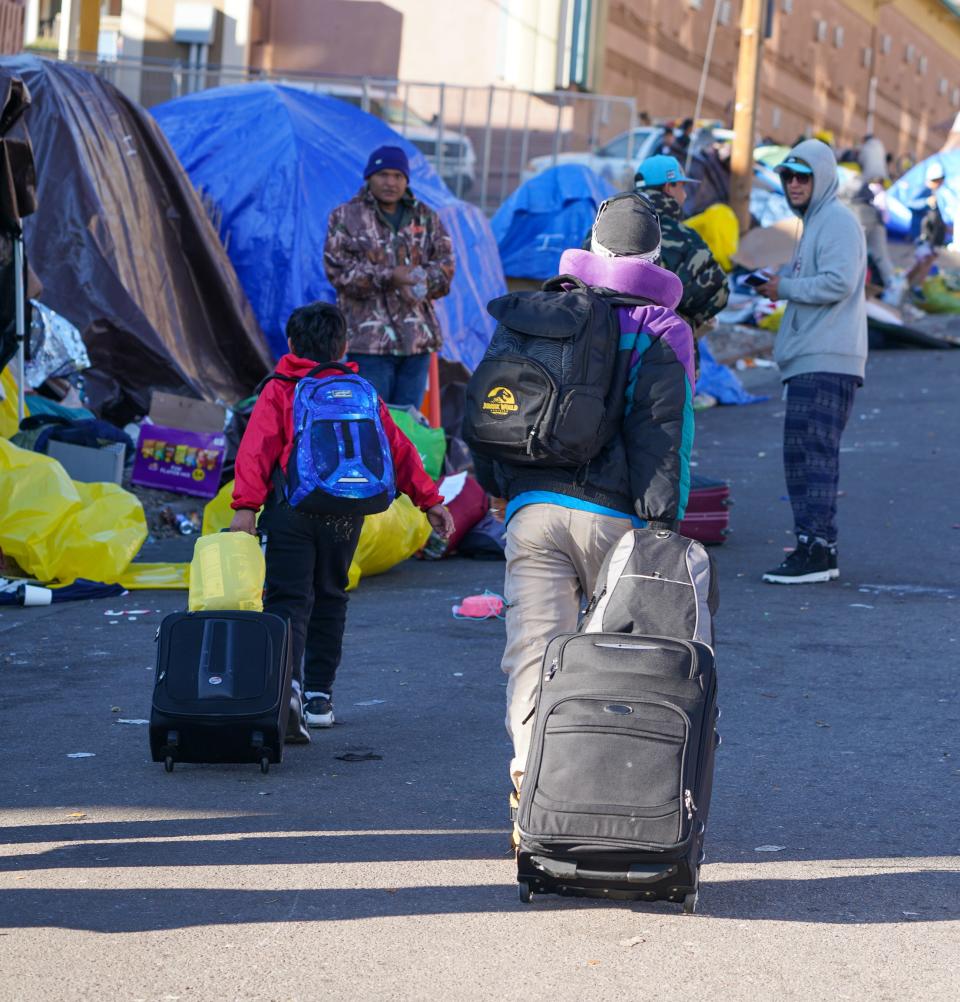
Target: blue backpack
x,y
340,463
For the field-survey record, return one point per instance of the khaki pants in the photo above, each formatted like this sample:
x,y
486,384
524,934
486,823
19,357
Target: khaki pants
x,y
553,558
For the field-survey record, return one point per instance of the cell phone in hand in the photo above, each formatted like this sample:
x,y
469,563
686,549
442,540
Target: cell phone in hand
x,y
757,278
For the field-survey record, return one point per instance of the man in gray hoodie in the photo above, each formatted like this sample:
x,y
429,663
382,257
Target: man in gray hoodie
x,y
821,350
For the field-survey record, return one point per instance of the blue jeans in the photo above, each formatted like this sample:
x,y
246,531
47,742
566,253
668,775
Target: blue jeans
x,y
400,380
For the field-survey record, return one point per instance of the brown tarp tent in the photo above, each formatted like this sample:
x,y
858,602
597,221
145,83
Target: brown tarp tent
x,y
125,251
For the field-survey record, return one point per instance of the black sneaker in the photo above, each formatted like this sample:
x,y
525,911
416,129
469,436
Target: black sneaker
x,y
807,564
832,561
318,709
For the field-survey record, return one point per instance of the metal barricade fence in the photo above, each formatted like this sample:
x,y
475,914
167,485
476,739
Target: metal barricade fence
x,y
483,141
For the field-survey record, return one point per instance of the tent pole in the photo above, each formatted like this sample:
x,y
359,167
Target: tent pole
x,y
20,308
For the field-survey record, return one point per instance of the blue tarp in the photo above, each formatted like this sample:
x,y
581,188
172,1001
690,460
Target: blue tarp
x,y
275,160
545,216
721,381
904,199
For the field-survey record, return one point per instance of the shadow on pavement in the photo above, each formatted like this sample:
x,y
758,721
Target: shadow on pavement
x,y
878,898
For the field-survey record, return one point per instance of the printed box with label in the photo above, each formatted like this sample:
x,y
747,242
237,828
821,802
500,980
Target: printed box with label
x,y
181,446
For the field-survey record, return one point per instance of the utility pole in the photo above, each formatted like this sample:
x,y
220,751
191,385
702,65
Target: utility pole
x,y
745,115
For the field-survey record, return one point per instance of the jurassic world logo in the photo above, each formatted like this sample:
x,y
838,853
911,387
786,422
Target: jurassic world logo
x,y
500,402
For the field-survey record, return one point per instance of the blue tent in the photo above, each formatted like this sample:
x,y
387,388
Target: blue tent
x,y
904,199
275,160
546,215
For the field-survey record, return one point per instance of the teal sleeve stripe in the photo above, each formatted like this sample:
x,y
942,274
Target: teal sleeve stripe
x,y
565,501
686,449
641,343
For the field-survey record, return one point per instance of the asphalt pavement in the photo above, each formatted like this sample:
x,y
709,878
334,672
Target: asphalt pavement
x,y
833,854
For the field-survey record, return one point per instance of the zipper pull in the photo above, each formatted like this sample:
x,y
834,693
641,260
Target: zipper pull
x,y
689,804
555,664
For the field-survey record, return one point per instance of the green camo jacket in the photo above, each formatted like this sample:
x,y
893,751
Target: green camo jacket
x,y
361,251
684,252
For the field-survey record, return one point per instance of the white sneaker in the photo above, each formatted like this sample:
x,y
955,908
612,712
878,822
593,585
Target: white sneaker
x,y
318,709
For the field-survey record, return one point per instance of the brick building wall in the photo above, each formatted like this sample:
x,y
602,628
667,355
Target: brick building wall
x,y
11,26
816,69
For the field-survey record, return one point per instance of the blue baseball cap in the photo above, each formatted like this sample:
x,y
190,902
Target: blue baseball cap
x,y
658,170
795,164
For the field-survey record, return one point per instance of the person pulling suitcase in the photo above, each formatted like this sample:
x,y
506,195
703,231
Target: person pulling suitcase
x,y
581,416
319,453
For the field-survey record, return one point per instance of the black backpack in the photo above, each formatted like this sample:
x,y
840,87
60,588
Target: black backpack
x,y
551,388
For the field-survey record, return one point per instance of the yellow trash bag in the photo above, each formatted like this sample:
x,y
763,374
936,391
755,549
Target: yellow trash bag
x,y
720,231
388,539
218,514
8,404
59,529
227,572
166,577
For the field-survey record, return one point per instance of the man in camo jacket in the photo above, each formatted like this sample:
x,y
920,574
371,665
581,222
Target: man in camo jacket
x,y
389,256
683,251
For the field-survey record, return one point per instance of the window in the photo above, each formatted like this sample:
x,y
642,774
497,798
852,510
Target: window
x,y
955,97
695,4
886,43
775,117
725,12
867,58
922,66
908,53
580,28
788,6
943,86
838,37
821,31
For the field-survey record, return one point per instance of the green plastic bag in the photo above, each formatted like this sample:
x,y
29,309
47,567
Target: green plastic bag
x,y
431,443
58,529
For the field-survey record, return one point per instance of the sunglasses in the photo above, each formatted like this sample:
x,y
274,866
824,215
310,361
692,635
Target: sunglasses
x,y
788,175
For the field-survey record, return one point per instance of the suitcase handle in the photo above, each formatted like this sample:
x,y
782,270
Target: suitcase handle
x,y
638,873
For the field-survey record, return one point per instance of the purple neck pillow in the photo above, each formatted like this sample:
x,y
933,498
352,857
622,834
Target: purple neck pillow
x,y
628,275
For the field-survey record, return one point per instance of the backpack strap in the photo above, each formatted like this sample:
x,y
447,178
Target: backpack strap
x,y
296,379
561,283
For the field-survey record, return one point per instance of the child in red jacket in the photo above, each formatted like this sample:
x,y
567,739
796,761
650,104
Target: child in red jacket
x,y
308,556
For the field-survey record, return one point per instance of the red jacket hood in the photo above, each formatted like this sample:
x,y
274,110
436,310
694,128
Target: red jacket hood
x,y
294,365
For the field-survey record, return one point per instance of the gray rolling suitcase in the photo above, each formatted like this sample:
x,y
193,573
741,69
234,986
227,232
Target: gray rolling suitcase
x,y
616,793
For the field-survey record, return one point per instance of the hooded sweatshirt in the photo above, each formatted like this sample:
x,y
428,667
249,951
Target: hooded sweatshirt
x,y
824,328
645,471
268,442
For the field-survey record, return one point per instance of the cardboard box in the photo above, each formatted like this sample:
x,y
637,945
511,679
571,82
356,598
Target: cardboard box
x,y
88,465
181,446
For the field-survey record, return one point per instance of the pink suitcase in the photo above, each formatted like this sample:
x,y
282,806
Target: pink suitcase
x,y
707,518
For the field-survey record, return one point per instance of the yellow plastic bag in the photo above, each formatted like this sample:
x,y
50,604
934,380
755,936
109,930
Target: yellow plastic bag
x,y
388,539
939,297
227,572
168,577
59,529
8,404
720,231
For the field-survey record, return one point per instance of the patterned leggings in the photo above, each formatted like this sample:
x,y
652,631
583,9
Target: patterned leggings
x,y
818,407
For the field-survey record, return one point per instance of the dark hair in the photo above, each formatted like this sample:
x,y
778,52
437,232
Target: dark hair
x,y
317,331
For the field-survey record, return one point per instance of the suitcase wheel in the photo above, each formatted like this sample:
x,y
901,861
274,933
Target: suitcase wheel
x,y
168,763
524,892
690,903
265,765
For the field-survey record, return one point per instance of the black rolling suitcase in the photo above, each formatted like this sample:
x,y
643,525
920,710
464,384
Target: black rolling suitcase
x,y
617,786
222,688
